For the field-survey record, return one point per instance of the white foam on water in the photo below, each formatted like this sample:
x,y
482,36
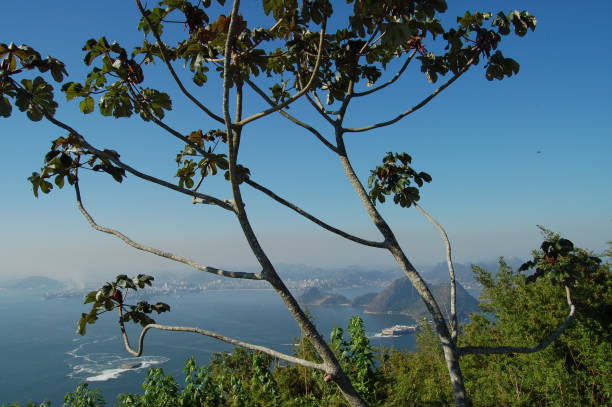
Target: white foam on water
x,y
115,373
100,366
379,335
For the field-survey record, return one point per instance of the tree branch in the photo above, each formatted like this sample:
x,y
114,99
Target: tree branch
x,y
291,118
316,103
302,91
496,350
390,81
205,198
312,218
453,322
415,107
164,126
263,349
157,252
166,60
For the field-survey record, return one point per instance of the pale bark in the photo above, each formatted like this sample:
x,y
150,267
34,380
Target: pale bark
x,y
215,335
453,322
332,366
157,252
451,354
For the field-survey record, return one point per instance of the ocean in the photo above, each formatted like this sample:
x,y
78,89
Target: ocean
x,y
42,358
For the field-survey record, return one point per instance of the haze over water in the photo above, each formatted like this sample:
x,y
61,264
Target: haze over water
x,y
43,358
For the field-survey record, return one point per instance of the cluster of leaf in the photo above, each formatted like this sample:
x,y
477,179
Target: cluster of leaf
x,y
208,162
113,295
123,96
198,157
63,161
395,177
35,97
206,41
486,40
561,262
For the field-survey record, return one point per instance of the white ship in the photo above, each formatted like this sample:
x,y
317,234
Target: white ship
x,y
398,330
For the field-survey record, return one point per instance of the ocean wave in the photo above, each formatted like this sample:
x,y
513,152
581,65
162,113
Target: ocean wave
x,y
103,366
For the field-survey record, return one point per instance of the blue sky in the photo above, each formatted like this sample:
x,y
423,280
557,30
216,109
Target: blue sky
x,y
504,156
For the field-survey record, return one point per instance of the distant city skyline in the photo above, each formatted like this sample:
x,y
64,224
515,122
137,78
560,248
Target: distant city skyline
x,y
504,156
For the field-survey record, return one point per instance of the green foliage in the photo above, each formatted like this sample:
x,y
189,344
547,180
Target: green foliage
x,y
560,261
573,371
210,164
84,397
35,97
356,356
415,379
395,177
113,296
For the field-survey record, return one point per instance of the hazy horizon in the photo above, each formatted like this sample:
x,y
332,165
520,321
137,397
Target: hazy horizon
x,y
504,157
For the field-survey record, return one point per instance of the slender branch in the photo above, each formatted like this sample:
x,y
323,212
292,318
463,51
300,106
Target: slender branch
x,y
347,100
112,158
415,107
317,99
484,350
390,81
236,342
300,123
367,43
453,322
316,103
164,54
313,218
157,252
302,91
164,126
234,132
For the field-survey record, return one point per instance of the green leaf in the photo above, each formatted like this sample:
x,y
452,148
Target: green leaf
x,y
81,329
5,107
59,181
87,105
90,297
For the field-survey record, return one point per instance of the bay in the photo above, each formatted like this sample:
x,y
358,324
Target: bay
x,y
42,358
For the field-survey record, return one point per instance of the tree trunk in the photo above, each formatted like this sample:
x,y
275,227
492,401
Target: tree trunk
x,y
449,347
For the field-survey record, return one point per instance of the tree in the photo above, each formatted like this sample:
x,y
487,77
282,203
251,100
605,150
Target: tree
x,y
297,57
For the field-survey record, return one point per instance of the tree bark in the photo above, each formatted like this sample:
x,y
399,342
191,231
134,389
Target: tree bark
x,y
451,354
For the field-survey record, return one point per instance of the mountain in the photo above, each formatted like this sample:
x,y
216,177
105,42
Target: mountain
x,y
363,300
33,283
401,297
316,296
